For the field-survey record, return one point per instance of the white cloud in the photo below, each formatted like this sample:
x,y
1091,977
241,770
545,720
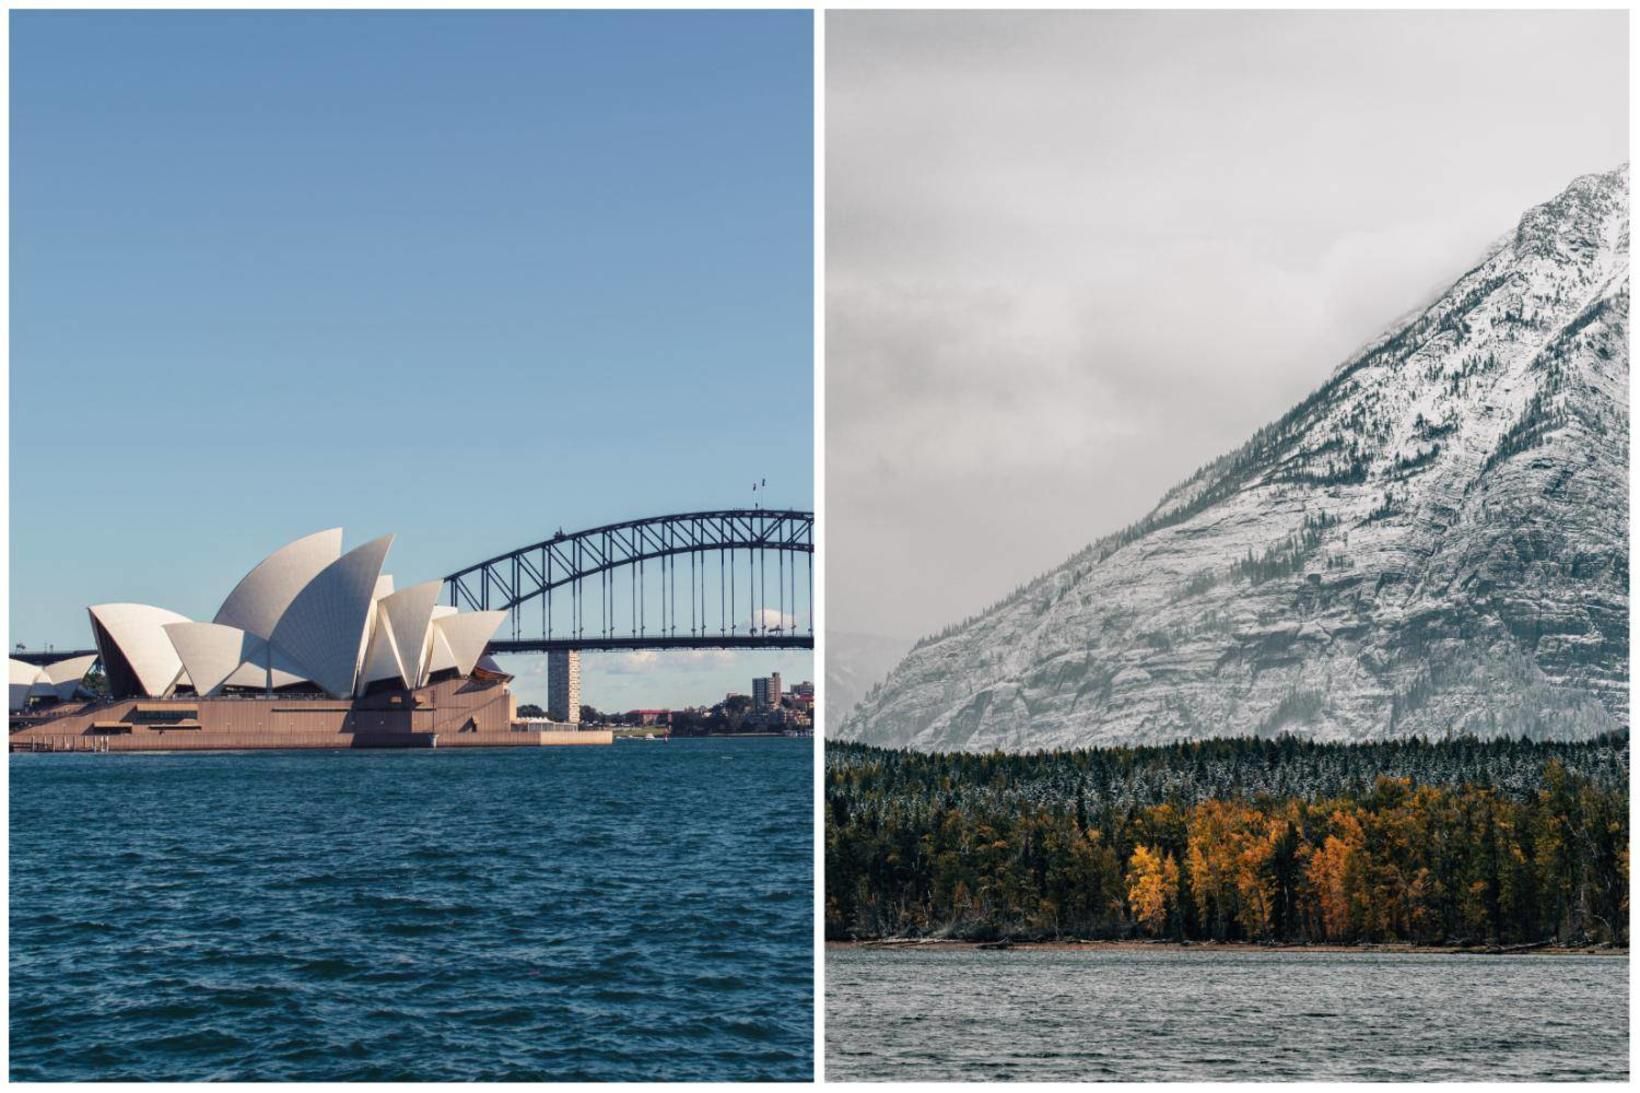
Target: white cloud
x,y
769,619
645,661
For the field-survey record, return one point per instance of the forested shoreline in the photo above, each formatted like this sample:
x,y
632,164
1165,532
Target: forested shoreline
x,y
1454,843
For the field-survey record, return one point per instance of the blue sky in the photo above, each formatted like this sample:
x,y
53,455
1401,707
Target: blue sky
x,y
466,277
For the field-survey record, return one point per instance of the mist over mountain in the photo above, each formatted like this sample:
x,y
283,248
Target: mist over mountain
x,y
855,663
1434,543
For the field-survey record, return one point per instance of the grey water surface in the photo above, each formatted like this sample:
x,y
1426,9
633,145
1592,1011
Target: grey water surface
x,y
1171,1015
636,911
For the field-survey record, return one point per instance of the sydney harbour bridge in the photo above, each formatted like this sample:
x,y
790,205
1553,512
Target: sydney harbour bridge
x,y
726,579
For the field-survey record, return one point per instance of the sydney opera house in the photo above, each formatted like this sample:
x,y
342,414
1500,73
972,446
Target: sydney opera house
x,y
313,648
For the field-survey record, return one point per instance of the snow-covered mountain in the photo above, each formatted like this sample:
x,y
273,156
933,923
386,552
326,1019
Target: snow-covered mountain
x,y
1434,543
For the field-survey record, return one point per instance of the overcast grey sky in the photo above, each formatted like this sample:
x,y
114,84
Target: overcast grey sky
x,y
1071,256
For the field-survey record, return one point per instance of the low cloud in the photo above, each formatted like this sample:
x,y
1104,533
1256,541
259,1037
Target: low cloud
x,y
646,661
769,619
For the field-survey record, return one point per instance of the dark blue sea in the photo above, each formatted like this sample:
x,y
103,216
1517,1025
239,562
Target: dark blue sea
x,y
635,912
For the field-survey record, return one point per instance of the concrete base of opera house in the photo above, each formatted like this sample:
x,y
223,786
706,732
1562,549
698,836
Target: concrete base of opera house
x,y
464,713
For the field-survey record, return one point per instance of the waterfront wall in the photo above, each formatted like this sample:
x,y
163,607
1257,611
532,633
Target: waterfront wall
x,y
453,713
198,741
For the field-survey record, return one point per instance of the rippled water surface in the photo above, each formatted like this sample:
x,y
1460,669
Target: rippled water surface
x,y
1176,1016
640,911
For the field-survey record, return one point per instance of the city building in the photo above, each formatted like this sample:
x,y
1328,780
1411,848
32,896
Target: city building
x,y
766,692
564,686
313,648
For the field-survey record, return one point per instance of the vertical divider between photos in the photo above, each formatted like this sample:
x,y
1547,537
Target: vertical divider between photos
x,y
817,611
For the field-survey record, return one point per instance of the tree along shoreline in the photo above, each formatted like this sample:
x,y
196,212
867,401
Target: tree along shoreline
x,y
1468,845
937,944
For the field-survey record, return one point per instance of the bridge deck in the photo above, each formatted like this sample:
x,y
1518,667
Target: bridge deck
x,y
711,641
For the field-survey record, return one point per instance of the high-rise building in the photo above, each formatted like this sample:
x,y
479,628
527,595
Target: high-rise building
x,y
564,685
766,692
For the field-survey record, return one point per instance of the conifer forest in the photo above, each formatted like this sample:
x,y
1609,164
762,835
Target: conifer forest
x,y
1460,843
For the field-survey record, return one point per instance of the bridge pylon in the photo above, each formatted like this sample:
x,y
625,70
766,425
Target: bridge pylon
x,y
564,685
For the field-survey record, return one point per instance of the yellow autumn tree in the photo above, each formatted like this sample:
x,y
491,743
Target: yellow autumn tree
x,y
1255,847
1329,873
1211,854
1152,887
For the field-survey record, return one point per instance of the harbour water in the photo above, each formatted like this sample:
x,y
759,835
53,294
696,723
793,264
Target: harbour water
x,y
635,912
1136,1015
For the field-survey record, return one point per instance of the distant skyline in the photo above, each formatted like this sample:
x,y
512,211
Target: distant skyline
x,y
1073,256
696,672
464,277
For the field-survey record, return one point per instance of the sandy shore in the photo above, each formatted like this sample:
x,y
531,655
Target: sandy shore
x,y
939,945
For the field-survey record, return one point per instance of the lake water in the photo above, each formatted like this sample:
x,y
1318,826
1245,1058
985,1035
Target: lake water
x,y
640,911
1179,1016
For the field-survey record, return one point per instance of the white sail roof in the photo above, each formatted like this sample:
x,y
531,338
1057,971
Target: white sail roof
x,y
69,668
439,656
138,632
409,615
211,653
324,628
381,659
306,613
27,681
467,635
266,592
65,675
251,674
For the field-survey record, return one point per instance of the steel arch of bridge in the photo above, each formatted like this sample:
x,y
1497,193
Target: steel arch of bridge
x,y
661,561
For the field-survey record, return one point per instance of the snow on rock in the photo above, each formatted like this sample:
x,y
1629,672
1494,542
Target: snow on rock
x,y
1433,543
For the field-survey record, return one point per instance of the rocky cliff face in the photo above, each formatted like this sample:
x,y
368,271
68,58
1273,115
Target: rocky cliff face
x,y
1434,543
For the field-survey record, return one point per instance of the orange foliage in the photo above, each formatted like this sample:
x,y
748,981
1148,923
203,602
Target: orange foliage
x,y
1329,874
1152,887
